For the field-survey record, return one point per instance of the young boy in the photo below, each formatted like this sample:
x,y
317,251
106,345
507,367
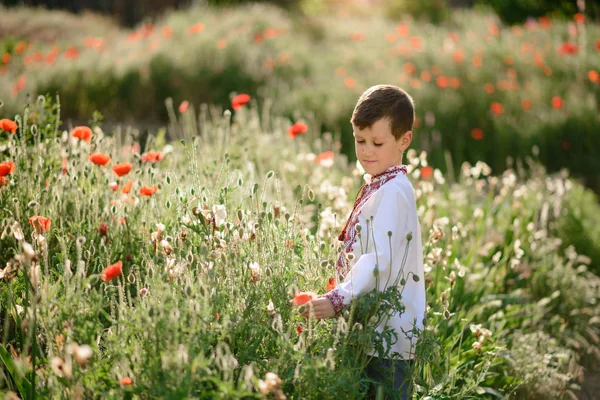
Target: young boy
x,y
382,121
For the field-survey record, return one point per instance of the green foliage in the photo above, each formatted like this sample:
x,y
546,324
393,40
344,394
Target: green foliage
x,y
434,11
517,11
512,307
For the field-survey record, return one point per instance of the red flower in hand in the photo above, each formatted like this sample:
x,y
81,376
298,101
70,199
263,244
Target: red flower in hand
x,y
303,298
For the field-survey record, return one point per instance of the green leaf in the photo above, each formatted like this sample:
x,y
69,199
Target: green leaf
x,y
23,384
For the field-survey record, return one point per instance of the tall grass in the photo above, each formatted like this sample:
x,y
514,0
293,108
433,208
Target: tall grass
x,y
244,217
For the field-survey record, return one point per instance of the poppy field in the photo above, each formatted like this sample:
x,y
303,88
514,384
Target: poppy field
x,y
484,91
173,263
175,270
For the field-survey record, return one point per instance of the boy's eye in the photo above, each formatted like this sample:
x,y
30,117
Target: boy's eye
x,y
360,141
377,144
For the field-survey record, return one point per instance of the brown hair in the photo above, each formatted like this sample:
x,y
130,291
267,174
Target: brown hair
x,y
385,101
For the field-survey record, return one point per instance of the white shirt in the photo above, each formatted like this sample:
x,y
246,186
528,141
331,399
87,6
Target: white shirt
x,y
393,209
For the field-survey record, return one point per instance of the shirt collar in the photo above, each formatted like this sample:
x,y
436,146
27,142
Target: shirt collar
x,y
390,172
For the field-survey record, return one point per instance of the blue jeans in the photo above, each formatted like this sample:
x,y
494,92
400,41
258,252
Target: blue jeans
x,y
391,374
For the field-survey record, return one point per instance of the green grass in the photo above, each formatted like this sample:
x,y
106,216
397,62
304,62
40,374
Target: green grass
x,y
492,248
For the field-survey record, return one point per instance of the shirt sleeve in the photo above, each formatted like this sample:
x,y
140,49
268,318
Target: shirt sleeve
x,y
388,209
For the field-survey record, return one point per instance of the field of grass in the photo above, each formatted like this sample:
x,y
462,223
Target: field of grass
x,y
175,279
484,91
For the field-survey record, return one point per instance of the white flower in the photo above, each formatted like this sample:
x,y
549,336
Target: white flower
x,y
82,354
220,214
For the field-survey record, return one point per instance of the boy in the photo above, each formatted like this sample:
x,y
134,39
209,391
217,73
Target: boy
x,y
382,122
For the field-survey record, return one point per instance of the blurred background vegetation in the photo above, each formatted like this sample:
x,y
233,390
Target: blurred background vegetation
x,y
497,80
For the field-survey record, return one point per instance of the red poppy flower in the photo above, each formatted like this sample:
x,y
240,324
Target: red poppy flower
x,y
196,28
297,129
426,172
477,134
114,186
526,104
112,271
545,21
7,168
127,187
303,298
239,100
579,17
557,102
325,159
20,47
568,48
458,56
350,82
82,132
298,329
41,223
442,81
6,58
103,229
8,125
152,156
100,159
593,75
3,181
598,44
330,284
497,108
148,190
122,168
126,381
184,106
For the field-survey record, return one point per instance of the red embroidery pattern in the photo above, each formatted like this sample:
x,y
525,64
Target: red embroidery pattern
x,y
349,233
336,299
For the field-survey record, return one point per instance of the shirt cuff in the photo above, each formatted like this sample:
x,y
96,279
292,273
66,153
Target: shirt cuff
x,y
336,299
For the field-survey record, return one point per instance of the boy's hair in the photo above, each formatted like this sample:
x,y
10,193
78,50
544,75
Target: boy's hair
x,y
385,101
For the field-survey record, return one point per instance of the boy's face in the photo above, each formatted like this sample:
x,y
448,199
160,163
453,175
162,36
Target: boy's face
x,y
376,147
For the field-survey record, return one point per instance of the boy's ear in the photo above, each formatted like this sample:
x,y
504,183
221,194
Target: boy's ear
x,y
406,140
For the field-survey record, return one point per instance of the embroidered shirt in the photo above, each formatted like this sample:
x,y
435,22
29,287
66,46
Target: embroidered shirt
x,y
384,205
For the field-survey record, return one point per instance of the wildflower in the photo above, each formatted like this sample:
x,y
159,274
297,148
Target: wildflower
x,y
82,354
39,223
298,329
303,298
271,384
477,134
579,18
426,172
255,272
167,248
7,168
126,187
594,76
148,190
112,271
196,28
143,291
6,58
20,47
114,186
61,368
122,169
477,346
568,48
297,129
330,284
239,100
219,213
126,381
82,132
100,159
458,56
497,108
557,102
271,308
152,156
167,31
103,229
350,82
526,104
8,125
184,106
325,159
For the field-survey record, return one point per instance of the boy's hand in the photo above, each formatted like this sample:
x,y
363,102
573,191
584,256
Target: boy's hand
x,y
319,308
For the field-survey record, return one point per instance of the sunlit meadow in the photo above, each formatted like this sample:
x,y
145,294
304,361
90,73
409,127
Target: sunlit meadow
x,y
167,270
484,90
